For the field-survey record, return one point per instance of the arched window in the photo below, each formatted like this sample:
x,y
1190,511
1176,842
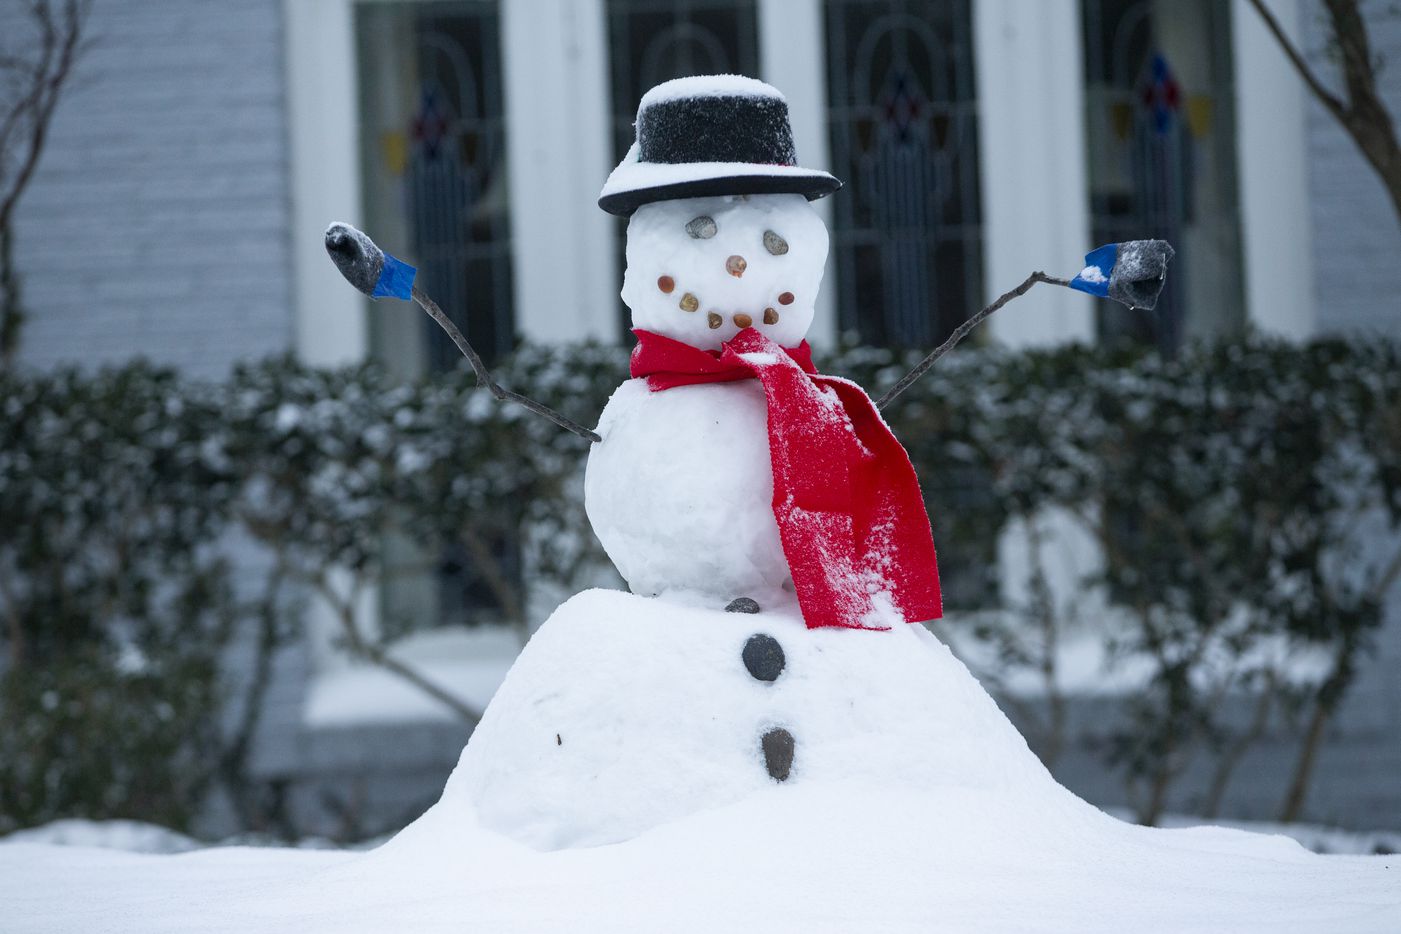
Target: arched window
x,y
433,148
907,230
1162,159
433,152
651,41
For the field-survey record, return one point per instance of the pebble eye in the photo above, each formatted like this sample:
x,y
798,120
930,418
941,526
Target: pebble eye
x,y
702,228
774,243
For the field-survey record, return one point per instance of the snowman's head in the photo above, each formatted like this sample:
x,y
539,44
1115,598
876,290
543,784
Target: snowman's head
x,y
701,269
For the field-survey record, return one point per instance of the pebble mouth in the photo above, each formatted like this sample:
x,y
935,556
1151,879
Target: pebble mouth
x,y
690,303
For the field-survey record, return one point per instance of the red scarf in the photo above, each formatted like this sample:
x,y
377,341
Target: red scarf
x,y
848,506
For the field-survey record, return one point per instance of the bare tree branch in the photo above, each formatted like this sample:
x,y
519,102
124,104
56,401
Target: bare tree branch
x,y
1362,114
1301,65
376,654
24,130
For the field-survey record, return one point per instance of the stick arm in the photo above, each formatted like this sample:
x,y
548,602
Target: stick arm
x,y
484,377
963,331
1131,273
377,274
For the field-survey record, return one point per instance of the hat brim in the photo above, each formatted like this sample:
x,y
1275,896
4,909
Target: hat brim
x,y
634,184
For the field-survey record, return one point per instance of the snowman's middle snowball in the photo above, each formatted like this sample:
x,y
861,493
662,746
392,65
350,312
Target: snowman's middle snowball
x,y
680,491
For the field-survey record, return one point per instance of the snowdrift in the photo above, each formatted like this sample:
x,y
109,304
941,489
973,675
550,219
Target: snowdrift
x,y
617,784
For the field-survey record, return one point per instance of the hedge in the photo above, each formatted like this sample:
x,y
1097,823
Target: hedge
x,y
1226,487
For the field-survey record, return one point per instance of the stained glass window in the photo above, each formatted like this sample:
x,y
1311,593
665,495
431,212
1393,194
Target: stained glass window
x,y
1162,160
907,228
651,41
434,152
433,156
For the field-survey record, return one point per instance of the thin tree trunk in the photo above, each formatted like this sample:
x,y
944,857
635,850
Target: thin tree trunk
x,y
345,612
1330,698
1047,618
491,571
14,626
1157,798
24,129
1360,112
11,315
1230,758
234,761
1293,806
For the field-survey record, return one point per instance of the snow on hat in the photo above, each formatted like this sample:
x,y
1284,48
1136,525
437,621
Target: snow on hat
x,y
710,135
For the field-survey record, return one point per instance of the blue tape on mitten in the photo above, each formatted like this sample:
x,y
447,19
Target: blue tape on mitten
x,y
1099,267
395,279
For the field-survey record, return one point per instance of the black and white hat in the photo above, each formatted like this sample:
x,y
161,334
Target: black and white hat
x,y
710,135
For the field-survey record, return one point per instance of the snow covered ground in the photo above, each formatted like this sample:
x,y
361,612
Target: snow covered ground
x,y
913,805
816,858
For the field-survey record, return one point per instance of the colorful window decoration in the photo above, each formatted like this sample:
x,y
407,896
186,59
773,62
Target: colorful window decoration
x,y
433,156
434,147
907,230
1161,151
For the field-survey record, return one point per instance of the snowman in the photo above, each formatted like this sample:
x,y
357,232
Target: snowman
x,y
728,470
769,525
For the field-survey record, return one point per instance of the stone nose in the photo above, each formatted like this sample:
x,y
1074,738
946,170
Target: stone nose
x,y
735,265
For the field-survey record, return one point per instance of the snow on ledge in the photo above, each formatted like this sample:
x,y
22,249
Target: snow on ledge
x,y
468,663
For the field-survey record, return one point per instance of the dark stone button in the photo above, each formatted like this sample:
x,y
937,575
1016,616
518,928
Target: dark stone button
x,y
742,605
763,656
778,753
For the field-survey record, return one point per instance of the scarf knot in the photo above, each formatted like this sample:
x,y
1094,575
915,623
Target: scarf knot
x,y
846,499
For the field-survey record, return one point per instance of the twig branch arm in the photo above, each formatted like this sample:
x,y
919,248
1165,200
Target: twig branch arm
x,y
962,331
484,377
365,266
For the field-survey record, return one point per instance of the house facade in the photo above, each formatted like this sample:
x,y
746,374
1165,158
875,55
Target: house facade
x,y
178,212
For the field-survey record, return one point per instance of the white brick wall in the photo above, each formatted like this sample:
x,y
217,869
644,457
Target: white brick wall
x,y
158,220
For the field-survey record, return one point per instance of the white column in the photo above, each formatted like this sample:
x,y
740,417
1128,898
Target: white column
x,y
792,53
1272,159
325,176
331,326
557,139
1031,104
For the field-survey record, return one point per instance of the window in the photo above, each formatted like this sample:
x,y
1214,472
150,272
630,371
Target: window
x,y
651,41
906,234
434,154
1162,163
907,227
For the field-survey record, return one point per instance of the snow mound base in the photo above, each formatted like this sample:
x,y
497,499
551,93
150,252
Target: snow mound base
x,y
912,806
810,858
624,713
